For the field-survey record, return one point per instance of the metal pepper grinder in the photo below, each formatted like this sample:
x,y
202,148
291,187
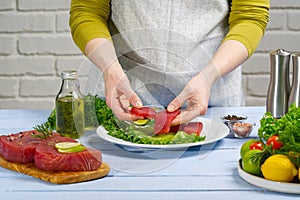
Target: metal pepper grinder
x,y
295,92
279,86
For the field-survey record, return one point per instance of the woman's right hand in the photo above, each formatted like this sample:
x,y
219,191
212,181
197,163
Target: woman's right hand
x,y
118,92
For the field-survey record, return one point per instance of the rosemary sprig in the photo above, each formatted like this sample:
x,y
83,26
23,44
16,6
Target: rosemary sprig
x,y
261,156
44,130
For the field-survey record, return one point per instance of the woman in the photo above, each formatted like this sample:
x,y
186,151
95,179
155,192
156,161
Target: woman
x,y
173,53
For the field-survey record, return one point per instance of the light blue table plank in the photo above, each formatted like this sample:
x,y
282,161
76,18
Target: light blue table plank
x,y
163,195
135,183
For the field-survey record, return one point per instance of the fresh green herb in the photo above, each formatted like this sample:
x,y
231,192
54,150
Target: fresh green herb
x,y
105,115
182,137
288,130
139,137
52,119
90,118
107,119
261,156
44,130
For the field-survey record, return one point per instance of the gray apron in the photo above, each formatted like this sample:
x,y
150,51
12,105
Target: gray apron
x,y
162,44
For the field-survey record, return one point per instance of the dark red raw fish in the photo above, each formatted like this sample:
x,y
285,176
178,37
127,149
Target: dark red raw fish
x,y
145,112
193,127
19,147
163,121
175,128
189,128
48,158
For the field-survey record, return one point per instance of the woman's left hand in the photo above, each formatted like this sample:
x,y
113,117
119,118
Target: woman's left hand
x,y
196,94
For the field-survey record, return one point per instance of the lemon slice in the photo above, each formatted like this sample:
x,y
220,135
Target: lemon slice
x,y
67,145
72,150
140,122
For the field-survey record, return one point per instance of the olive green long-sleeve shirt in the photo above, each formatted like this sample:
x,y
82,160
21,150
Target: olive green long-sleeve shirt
x,y
247,21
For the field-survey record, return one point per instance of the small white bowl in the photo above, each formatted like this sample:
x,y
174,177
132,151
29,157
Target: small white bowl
x,y
241,129
233,118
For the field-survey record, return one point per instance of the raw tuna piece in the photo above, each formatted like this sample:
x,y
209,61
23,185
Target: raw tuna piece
x,y
145,112
175,128
163,121
19,147
189,128
48,158
193,127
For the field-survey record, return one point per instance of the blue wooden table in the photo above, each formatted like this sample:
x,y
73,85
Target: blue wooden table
x,y
202,172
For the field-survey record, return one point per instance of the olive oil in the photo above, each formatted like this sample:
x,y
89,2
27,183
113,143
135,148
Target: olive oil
x,y
70,117
69,105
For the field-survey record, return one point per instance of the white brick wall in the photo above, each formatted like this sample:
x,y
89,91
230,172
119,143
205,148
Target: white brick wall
x,y
35,46
283,31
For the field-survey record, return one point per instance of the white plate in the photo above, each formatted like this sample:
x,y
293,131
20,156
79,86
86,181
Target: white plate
x,y
292,188
213,130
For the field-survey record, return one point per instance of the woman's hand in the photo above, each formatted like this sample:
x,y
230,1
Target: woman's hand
x,y
196,94
230,55
118,92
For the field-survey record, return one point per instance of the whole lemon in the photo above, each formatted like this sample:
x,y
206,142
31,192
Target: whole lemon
x,y
279,167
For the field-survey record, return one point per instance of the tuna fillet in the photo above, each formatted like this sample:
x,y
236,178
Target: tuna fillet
x,y
48,158
163,121
19,147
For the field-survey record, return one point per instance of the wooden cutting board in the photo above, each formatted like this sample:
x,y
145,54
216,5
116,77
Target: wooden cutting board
x,y
53,176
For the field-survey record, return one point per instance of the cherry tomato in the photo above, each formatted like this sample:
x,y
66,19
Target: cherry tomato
x,y
256,145
274,142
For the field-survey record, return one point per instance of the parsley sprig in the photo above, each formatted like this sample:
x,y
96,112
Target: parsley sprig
x,y
288,130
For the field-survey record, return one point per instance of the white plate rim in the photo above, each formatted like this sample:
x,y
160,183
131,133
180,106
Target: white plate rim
x,y
223,132
291,188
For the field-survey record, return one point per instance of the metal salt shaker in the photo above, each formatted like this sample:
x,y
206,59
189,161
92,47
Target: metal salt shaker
x,y
279,86
295,92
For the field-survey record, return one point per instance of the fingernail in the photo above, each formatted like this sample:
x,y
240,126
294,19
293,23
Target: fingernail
x,y
138,104
171,108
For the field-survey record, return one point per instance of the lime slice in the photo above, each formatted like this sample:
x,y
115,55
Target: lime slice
x,y
72,150
140,122
67,145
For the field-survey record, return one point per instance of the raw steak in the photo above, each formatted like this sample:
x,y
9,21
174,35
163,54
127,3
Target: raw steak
x,y
146,112
48,158
193,127
189,128
19,147
163,121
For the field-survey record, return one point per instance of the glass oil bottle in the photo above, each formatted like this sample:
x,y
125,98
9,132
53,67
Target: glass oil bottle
x,y
69,105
